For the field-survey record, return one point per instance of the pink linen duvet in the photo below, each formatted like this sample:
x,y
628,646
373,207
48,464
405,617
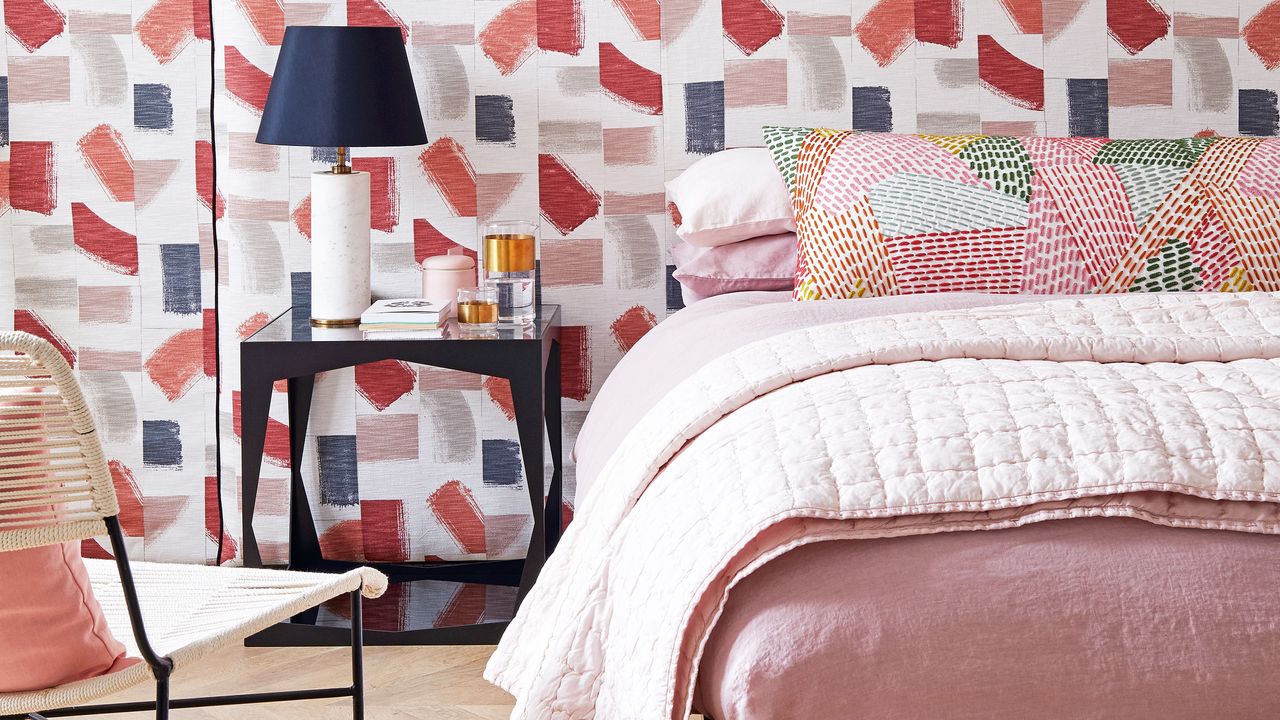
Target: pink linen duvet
x,y
1161,408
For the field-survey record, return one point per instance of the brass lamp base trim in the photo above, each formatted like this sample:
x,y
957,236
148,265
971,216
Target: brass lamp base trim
x,y
319,322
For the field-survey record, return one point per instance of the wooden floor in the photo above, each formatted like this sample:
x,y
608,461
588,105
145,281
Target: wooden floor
x,y
440,683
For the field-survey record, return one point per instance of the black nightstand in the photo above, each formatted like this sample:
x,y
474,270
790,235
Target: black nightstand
x,y
288,348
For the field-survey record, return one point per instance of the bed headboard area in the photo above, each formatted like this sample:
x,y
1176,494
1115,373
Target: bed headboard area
x,y
145,232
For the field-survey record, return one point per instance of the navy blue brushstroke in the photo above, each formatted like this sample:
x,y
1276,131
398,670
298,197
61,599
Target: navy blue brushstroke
x,y
180,282
161,444
1087,109
152,106
501,462
675,301
1259,114
495,119
336,468
300,283
872,109
4,110
704,117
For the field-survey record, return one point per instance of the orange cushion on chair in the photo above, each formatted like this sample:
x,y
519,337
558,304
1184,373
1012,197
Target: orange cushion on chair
x,y
52,630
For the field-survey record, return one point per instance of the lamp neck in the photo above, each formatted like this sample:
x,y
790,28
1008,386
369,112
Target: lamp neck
x,y
342,168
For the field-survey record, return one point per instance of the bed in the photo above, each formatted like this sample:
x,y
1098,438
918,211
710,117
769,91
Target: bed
x,y
1157,622
1055,496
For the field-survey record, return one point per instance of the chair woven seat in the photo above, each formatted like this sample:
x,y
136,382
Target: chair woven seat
x,y
191,611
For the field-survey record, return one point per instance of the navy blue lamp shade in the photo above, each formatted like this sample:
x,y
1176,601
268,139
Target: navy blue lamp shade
x,y
342,87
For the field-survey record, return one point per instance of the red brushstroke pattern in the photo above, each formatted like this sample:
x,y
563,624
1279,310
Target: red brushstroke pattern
x,y
629,82
750,24
940,22
1019,82
429,242
252,324
266,17
210,349
201,20
129,497
560,26
1262,35
247,83
213,521
344,539
887,30
382,528
511,36
499,392
466,607
32,177
564,199
105,153
575,362
168,27
276,448
204,179
632,325
33,22
1135,24
102,241
456,509
177,363
644,15
384,382
373,13
28,321
448,169
384,196
301,217
1027,15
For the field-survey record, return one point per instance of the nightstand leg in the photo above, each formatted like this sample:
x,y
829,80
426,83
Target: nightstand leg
x,y
304,543
551,414
526,395
255,406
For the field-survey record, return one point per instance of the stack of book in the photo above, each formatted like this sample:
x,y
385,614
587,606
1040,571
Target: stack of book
x,y
404,319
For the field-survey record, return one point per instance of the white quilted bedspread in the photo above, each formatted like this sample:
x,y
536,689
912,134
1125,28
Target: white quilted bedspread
x,y
1162,407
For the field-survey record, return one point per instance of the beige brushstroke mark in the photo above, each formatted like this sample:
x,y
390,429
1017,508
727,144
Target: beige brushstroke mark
x,y
107,77
956,72
1140,83
630,146
572,262
392,257
453,426
493,190
1210,85
113,402
448,90
305,13
150,177
569,136
638,251
52,239
44,293
85,22
105,304
245,153
262,265
823,70
751,83
944,123
578,81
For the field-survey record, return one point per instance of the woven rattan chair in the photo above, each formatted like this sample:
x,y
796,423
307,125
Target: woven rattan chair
x,y
55,487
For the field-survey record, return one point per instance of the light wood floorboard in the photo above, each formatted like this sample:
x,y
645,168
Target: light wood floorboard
x,y
440,683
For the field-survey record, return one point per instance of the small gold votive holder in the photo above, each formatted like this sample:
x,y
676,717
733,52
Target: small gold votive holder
x,y
477,308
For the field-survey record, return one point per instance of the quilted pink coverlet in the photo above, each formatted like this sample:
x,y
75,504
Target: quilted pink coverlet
x,y
1162,408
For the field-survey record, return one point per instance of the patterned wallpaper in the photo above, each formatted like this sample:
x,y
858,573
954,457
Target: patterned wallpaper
x,y
574,111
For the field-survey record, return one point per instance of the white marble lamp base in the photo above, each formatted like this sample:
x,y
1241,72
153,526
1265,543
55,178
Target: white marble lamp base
x,y
339,247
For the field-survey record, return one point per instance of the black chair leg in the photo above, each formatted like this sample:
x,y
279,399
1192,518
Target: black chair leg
x,y
162,698
357,656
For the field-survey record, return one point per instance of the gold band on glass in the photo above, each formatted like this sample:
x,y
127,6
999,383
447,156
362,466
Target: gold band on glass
x,y
509,253
318,322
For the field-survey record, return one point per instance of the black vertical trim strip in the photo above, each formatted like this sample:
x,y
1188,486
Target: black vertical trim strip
x,y
217,305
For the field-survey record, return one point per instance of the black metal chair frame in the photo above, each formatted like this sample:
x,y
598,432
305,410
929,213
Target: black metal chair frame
x,y
162,667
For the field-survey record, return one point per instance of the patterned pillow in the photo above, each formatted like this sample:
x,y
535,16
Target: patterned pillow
x,y
883,214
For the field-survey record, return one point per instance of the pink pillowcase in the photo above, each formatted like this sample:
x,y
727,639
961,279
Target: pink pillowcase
x,y
762,263
52,630
731,196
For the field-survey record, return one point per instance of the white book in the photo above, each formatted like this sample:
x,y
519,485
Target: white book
x,y
402,311
433,334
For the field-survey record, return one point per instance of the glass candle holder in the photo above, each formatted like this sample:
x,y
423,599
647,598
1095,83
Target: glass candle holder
x,y
510,266
477,307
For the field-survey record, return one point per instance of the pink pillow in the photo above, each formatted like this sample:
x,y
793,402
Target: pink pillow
x,y
731,196
52,630
763,263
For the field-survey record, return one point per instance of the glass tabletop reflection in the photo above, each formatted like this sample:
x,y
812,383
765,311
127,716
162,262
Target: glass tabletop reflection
x,y
294,325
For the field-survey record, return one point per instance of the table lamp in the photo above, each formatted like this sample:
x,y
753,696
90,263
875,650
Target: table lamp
x,y
341,87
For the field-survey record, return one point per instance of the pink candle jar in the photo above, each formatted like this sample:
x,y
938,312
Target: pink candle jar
x,y
444,275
